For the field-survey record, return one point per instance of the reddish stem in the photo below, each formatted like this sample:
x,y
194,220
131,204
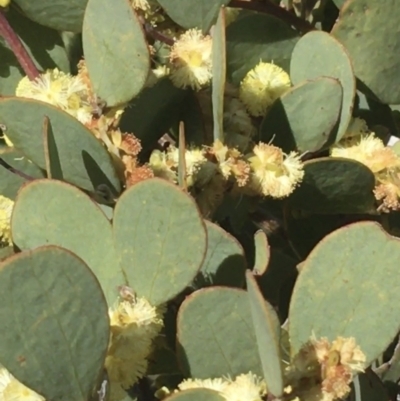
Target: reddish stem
x,y
158,35
268,7
15,44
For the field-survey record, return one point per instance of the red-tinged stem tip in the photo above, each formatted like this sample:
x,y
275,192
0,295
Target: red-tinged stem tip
x,y
15,44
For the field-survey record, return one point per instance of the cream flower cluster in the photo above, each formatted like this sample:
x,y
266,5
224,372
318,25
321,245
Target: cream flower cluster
x,y
274,173
6,208
75,96
134,326
67,92
211,171
12,390
245,387
363,146
323,370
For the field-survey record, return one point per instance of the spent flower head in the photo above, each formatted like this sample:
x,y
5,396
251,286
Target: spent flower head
x,y
191,60
387,190
325,369
261,86
231,163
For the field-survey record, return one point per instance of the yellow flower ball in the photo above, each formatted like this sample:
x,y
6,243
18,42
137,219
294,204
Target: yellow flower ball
x,y
261,86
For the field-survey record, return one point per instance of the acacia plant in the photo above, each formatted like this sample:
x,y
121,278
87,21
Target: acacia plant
x,y
199,200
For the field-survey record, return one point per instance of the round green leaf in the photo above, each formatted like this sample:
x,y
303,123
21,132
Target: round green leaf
x,y
115,49
215,324
335,185
63,15
258,37
193,13
305,117
267,329
319,54
342,291
83,160
159,238
370,27
54,323
196,394
224,263
52,212
44,45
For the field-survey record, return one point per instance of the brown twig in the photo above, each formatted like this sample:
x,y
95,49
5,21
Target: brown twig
x,y
270,8
15,44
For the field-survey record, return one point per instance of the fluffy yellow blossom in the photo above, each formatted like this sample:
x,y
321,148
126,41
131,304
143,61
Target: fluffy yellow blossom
x,y
274,173
193,158
162,167
62,90
4,3
11,389
261,86
245,387
127,315
370,151
135,323
6,208
323,370
165,165
218,384
191,61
